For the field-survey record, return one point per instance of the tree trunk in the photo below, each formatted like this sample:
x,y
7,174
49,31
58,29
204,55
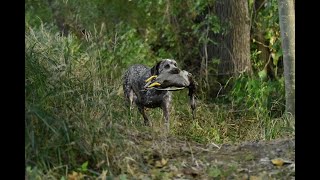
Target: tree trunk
x,y
233,47
287,29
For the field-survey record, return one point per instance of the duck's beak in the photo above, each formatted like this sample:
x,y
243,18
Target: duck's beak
x,y
154,84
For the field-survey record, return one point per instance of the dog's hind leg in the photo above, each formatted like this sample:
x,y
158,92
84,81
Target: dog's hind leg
x,y
132,97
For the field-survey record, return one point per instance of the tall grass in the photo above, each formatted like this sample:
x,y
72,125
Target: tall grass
x,y
73,95
75,110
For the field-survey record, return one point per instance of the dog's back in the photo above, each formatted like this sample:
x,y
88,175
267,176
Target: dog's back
x,y
130,78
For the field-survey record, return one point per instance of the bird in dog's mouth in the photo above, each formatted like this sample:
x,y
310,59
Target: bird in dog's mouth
x,y
169,81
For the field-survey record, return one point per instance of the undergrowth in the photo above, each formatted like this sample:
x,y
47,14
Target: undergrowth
x,y
77,122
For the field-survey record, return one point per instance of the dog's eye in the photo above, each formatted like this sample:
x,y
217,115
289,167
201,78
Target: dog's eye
x,y
175,64
167,66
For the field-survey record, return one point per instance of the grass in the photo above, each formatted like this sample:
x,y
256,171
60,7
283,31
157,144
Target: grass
x,y
75,110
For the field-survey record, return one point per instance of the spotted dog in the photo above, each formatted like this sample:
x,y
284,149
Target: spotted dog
x,y
134,88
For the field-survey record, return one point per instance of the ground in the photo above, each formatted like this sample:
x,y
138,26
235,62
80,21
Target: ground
x,y
166,157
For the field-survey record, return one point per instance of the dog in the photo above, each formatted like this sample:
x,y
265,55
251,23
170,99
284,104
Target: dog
x,y
134,81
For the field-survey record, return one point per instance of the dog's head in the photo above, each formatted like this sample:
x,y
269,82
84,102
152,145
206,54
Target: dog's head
x,y
165,65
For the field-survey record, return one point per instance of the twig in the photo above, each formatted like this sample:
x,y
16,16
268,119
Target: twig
x,y
261,44
219,90
215,145
191,152
94,172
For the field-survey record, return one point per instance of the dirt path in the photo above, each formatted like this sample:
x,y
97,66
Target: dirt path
x,y
170,158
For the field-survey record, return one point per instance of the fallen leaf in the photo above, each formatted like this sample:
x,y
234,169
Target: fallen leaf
x,y
277,161
75,176
161,163
254,178
158,164
164,162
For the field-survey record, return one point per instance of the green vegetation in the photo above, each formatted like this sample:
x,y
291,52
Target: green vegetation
x,y
77,123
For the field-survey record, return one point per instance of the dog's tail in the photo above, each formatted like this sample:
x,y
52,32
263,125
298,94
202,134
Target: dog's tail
x,y
126,86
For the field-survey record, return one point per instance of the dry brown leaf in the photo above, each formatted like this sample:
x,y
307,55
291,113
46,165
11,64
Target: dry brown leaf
x,y
75,176
277,161
158,164
161,163
164,161
254,178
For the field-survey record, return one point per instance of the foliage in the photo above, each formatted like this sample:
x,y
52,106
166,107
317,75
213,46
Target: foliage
x,y
266,19
257,97
68,87
37,11
77,124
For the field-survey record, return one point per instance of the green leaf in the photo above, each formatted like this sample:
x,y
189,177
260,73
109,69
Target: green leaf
x,y
276,57
84,166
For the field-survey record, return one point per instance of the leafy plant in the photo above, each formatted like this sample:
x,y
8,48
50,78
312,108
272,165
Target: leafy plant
x,y
266,19
84,167
260,98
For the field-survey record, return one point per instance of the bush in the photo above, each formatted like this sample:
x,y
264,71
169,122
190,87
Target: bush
x,y
258,98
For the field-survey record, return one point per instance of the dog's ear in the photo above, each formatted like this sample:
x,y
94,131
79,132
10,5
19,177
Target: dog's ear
x,y
155,69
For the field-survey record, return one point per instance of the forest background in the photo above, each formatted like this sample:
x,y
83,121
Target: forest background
x,y
77,51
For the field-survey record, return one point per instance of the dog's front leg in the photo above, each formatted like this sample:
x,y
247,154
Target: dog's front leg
x,y
145,117
166,117
166,111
